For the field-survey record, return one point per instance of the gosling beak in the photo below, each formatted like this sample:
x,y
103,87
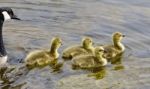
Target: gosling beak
x,y
123,35
15,17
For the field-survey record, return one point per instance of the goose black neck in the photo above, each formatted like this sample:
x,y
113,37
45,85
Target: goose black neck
x,y
2,47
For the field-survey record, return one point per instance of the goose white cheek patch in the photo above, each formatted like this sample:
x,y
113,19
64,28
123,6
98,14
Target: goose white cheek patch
x,y
6,15
3,60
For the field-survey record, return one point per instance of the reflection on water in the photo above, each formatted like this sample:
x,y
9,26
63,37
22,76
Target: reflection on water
x,y
98,73
72,20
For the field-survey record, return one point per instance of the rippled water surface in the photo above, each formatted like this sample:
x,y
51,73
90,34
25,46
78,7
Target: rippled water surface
x,y
72,20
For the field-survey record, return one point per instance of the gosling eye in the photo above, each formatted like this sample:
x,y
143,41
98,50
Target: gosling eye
x,y
105,51
101,50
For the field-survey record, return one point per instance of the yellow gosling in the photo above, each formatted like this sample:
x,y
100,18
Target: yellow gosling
x,y
44,57
85,48
116,49
90,61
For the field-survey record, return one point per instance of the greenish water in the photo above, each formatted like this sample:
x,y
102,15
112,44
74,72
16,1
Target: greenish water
x,y
72,20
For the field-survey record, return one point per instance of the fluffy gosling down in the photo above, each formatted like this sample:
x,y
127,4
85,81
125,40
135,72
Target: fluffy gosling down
x,y
116,49
44,57
85,48
90,61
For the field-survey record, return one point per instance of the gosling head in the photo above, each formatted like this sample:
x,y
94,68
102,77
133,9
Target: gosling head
x,y
7,13
56,42
87,42
99,51
117,37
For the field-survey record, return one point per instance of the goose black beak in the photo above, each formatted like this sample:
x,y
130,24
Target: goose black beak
x,y
123,35
15,17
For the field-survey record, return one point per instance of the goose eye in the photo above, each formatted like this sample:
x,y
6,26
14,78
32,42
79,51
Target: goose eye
x,y
105,51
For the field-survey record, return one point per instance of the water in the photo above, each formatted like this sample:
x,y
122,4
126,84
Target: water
x,y
72,20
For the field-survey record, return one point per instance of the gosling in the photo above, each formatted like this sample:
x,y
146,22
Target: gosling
x,y
85,48
90,61
44,57
116,49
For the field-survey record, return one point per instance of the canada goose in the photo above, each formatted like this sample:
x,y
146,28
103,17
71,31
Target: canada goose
x,y
44,57
84,48
90,61
6,13
115,50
